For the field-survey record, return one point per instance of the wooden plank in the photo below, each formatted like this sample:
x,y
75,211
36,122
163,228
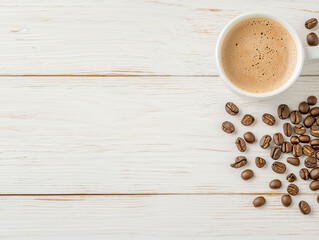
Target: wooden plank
x,y
155,217
130,135
165,37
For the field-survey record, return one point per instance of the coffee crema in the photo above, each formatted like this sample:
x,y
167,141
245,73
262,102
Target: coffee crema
x,y
259,55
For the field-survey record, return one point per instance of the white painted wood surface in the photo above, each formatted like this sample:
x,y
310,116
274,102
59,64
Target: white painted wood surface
x,y
95,154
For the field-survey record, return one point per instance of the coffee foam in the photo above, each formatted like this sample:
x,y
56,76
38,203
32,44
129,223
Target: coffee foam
x,y
258,55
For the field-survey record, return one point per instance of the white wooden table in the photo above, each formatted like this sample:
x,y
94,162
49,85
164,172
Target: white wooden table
x,y
110,119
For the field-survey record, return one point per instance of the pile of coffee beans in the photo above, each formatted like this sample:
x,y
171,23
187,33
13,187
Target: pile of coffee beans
x,y
312,38
303,134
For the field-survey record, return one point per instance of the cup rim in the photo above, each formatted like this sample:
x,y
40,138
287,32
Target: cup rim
x,y
288,27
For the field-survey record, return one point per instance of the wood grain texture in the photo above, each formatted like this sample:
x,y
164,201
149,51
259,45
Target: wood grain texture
x,y
154,217
142,37
130,135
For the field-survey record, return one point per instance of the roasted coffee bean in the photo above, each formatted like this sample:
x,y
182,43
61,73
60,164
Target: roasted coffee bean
x,y
265,141
314,185
304,207
240,144
249,137
231,108
308,150
283,111
299,129
295,117
260,162
275,184
291,177
310,162
293,161
286,200
287,129
269,119
259,201
314,131
304,107
247,120
286,147
275,153
314,173
309,121
304,174
317,121
247,174
311,23
297,150
292,189
304,138
278,139
314,111
278,167
240,161
312,100
317,155
312,39
294,140
228,127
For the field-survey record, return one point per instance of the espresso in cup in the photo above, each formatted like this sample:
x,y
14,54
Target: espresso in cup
x,y
258,55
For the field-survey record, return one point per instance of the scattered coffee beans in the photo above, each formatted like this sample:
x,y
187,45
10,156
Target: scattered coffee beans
x,y
311,23
240,144
260,162
311,100
240,161
304,107
291,177
294,140
259,201
304,207
269,119
278,167
309,121
283,111
275,184
287,129
247,174
231,108
304,138
247,120
314,173
310,162
286,200
312,39
275,153
314,185
249,137
293,161
265,141
292,189
228,127
304,174
295,117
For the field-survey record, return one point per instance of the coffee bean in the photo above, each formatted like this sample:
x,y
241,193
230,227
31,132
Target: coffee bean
x,y
295,117
278,167
259,201
312,100
294,140
293,161
228,127
278,139
286,200
304,138
308,150
304,207
297,150
265,141
247,174
314,111
309,121
311,23
269,119
231,108
314,185
247,120
275,184
287,129
286,147
304,174
292,189
314,173
317,155
304,107
275,153
314,131
291,177
312,39
310,162
240,161
240,144
317,121
260,162
249,137
283,111
299,129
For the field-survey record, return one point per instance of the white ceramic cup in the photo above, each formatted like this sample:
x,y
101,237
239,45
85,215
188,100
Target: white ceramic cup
x,y
303,53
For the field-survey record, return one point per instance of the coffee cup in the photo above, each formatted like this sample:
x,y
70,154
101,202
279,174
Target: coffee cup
x,y
258,65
